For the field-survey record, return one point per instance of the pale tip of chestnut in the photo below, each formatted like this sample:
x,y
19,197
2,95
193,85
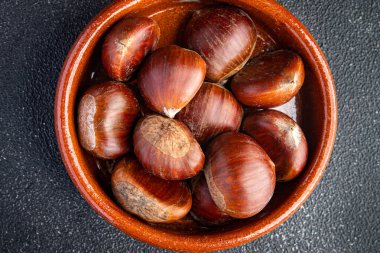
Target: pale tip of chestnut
x,y
171,112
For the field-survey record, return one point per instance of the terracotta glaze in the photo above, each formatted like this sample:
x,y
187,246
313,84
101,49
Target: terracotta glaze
x,y
317,98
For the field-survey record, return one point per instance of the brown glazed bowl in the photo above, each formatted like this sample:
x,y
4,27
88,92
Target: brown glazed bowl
x,y
318,108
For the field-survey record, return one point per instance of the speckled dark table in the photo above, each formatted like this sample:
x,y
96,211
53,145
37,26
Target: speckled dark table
x,y
40,208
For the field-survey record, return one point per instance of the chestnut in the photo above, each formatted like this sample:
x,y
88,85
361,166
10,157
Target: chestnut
x,y
269,80
169,78
240,175
106,114
127,44
166,148
283,140
151,198
224,36
204,209
213,110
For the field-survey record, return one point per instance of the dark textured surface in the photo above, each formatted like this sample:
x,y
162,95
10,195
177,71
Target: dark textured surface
x,y
41,210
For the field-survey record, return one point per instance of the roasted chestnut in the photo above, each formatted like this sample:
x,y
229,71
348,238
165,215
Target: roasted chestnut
x,y
224,36
169,78
240,175
269,80
166,148
204,209
106,114
127,44
213,110
151,198
281,138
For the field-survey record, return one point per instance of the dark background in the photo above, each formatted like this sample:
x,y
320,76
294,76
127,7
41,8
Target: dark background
x,y
40,208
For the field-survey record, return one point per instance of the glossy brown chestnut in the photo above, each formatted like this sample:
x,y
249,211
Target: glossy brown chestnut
x,y
224,36
281,138
213,110
170,78
240,175
166,148
127,44
269,80
106,114
151,198
204,209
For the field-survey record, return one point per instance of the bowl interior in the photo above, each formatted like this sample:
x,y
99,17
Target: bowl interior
x,y
313,109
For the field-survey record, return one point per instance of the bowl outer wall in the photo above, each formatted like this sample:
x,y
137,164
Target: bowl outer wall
x,y
73,157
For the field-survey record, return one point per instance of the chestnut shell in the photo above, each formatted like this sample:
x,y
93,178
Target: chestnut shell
x,y
224,36
106,114
282,139
214,110
240,175
166,148
149,197
169,78
127,44
269,80
204,210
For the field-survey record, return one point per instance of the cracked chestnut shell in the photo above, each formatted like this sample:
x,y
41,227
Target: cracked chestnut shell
x,y
151,198
224,36
269,80
240,175
106,114
214,110
166,148
127,44
169,78
282,139
204,209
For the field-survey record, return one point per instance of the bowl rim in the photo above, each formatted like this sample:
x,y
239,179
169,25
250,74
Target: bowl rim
x,y
69,147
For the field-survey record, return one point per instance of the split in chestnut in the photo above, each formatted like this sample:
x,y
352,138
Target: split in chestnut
x,y
269,80
166,148
281,138
106,114
224,36
169,78
240,175
204,209
214,110
127,44
151,198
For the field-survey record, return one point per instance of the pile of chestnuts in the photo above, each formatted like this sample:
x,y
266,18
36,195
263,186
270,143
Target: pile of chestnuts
x,y
174,113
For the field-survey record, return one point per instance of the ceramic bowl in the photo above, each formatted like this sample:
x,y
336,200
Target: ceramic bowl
x,y
318,108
